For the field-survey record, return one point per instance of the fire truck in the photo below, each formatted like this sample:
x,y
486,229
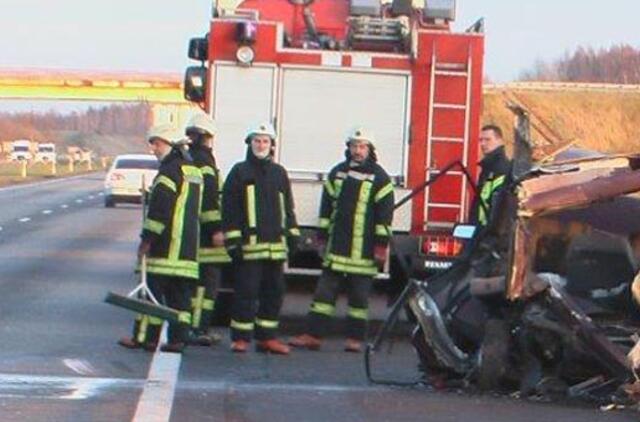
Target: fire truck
x,y
316,69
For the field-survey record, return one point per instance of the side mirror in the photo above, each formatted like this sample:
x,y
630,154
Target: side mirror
x,y
464,231
195,83
199,49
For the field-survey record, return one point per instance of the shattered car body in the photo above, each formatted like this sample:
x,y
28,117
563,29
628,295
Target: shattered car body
x,y
541,301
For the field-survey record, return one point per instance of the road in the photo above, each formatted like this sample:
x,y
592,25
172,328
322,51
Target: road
x,y
61,251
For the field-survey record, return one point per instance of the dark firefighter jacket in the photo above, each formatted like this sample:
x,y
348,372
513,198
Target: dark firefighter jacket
x,y
356,211
210,215
494,174
257,209
171,224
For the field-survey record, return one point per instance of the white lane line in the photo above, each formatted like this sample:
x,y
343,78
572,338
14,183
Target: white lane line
x,y
157,395
46,212
64,206
91,196
52,387
79,366
24,219
79,201
100,193
23,186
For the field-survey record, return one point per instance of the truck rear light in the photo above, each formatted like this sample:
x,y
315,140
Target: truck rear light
x,y
441,245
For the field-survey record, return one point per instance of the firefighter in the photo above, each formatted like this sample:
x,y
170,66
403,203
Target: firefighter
x,y
201,131
260,227
494,174
169,241
355,218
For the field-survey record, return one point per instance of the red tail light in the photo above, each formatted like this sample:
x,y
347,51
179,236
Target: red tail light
x,y
441,245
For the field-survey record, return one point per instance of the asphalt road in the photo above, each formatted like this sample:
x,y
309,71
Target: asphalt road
x,y
61,251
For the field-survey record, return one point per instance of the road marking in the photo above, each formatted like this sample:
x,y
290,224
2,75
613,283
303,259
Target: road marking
x,y
64,206
24,219
51,387
159,389
100,193
23,186
45,212
281,387
91,197
79,366
79,201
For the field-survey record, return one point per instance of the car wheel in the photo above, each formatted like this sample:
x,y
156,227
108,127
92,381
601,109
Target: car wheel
x,y
109,202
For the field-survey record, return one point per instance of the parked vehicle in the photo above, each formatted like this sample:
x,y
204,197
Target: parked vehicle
x,y
318,69
46,152
128,177
20,150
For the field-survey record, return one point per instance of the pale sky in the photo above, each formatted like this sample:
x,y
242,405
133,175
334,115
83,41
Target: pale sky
x,y
152,35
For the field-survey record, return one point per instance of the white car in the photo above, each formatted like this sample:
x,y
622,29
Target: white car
x,y
125,178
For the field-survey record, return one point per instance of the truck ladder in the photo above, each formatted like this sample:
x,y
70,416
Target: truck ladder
x,y
440,70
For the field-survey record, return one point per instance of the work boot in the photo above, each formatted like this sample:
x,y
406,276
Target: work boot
x,y
352,345
306,341
173,347
274,346
215,338
129,343
199,338
239,346
150,346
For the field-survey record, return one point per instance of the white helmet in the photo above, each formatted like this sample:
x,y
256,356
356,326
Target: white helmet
x,y
166,132
201,123
361,134
264,128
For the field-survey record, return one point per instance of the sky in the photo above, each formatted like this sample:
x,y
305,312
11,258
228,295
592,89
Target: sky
x,y
152,35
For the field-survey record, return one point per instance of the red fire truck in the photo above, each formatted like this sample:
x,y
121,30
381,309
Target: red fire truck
x,y
316,69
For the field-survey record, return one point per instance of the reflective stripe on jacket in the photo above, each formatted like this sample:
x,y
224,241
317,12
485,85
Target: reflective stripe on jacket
x,y
258,210
356,211
171,224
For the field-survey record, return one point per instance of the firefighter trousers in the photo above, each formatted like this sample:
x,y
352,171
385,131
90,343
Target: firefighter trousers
x,y
323,307
258,295
203,299
174,292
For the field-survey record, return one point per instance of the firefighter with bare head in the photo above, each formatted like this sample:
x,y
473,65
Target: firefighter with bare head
x,y
260,228
355,225
495,169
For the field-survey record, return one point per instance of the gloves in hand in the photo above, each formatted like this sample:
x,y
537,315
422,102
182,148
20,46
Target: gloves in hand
x,y
380,254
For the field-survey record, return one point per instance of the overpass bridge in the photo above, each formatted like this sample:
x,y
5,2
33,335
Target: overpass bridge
x,y
163,91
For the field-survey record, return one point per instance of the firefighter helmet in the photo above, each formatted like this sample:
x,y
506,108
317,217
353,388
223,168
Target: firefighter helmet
x,y
362,135
264,128
201,123
167,133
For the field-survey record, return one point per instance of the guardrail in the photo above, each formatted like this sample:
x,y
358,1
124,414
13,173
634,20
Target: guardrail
x,y
562,86
66,165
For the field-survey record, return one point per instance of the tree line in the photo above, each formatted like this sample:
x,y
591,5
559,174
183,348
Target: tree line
x,y
115,119
618,64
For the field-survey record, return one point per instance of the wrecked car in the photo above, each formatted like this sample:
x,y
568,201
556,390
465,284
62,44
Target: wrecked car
x,y
541,301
